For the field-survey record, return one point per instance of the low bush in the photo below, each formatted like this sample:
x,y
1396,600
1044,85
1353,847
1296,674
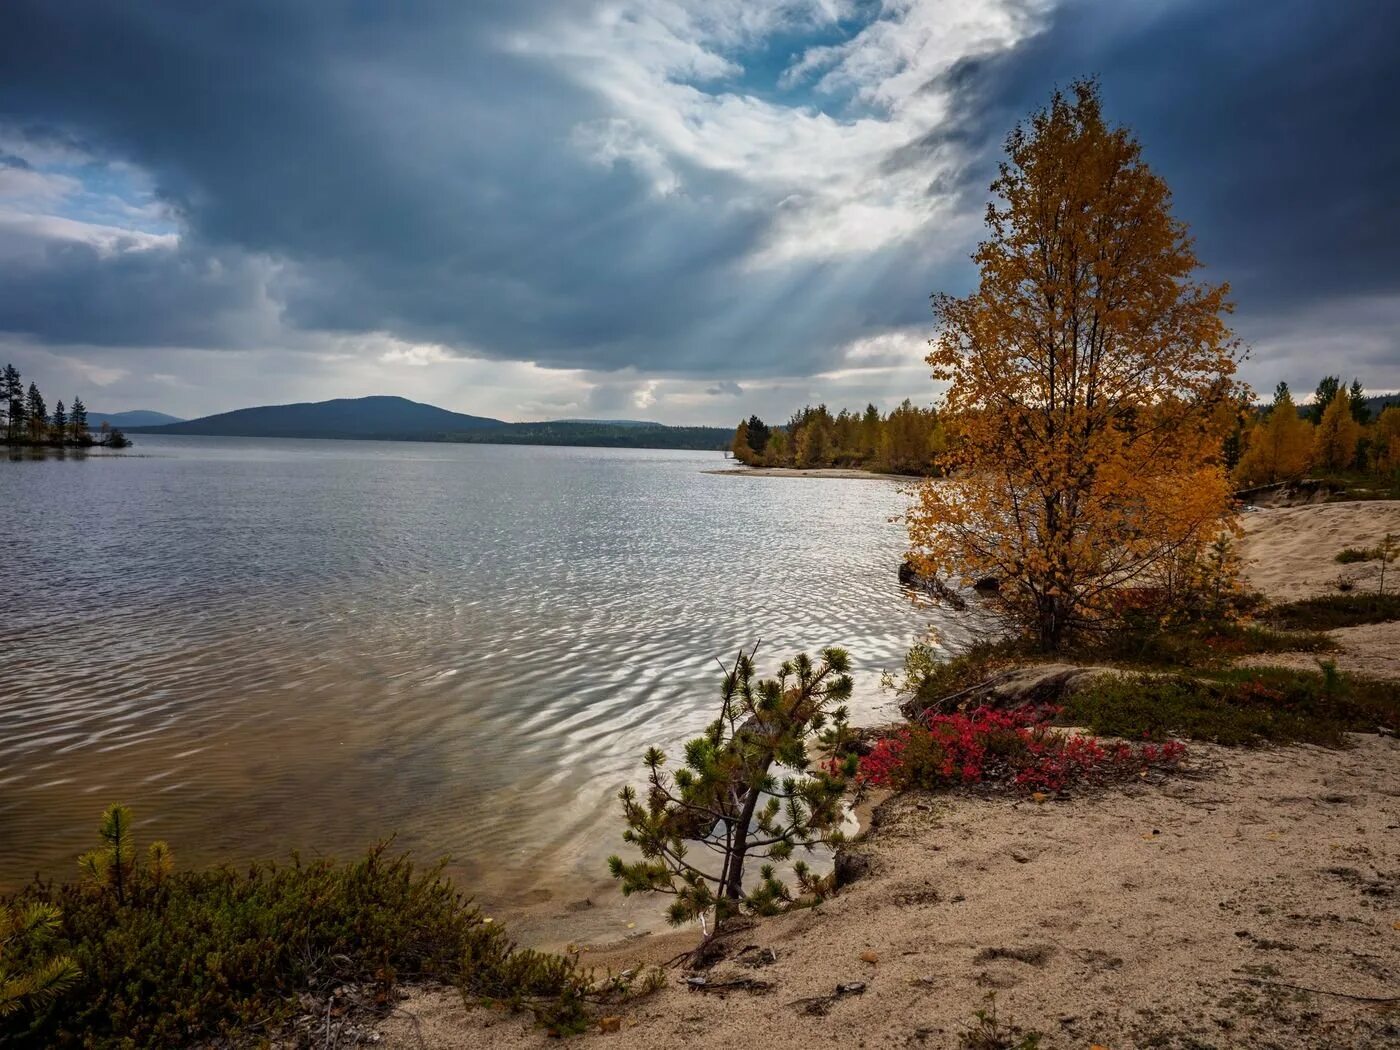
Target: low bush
x,y
170,958
1352,555
1337,610
1015,747
1201,645
1237,707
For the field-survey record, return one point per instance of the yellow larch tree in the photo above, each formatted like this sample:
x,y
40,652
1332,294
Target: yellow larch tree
x,y
1280,446
1086,371
1387,442
1337,433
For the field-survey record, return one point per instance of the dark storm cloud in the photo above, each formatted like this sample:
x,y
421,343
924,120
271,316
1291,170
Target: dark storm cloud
x,y
419,179
348,167
1277,125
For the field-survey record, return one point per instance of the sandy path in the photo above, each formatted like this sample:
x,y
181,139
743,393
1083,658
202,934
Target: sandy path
x,y
1274,866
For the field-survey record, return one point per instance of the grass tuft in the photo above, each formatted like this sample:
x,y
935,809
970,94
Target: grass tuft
x,y
1241,706
1337,610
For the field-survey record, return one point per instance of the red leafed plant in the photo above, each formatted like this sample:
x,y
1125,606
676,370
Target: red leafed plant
x,y
1016,747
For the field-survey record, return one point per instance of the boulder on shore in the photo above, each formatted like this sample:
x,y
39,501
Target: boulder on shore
x,y
1036,685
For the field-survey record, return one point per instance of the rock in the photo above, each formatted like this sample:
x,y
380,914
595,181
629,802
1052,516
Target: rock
x,y
850,865
1036,685
851,988
869,957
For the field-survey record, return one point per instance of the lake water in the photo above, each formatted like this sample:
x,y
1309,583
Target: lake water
x,y
263,645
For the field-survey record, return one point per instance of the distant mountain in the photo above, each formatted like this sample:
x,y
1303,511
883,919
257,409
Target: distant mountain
x,y
136,418
384,418
398,419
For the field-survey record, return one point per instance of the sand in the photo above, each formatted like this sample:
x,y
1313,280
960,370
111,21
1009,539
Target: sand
x,y
1253,901
1290,553
1177,914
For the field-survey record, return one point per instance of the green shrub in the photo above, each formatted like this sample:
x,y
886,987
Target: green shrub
x,y
1241,706
1337,610
1352,555
1201,645
175,958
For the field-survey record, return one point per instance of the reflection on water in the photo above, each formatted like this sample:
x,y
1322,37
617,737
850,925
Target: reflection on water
x,y
267,645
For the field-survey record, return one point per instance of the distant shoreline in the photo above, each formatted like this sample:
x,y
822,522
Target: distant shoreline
x,y
849,473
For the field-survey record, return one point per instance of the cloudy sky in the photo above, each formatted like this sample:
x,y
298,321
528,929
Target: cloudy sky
x,y
683,210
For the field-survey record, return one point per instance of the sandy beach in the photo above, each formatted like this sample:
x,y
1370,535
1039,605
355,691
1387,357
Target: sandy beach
x,y
1195,909
1252,900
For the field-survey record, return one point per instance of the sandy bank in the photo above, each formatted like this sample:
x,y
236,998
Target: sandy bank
x,y
1291,552
1173,915
819,472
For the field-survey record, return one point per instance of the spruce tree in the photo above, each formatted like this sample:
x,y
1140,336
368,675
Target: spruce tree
x,y
12,394
77,420
1323,395
37,413
59,422
758,434
1359,411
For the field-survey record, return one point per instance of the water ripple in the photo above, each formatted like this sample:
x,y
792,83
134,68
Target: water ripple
x,y
263,645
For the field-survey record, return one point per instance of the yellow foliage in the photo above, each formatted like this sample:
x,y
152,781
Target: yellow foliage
x,y
1086,373
1388,439
1337,434
1280,448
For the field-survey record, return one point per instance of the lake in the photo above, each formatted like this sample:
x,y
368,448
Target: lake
x,y
262,645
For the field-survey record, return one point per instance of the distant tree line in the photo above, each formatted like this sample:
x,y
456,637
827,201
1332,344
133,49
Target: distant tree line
x,y
25,418
907,440
596,435
1336,434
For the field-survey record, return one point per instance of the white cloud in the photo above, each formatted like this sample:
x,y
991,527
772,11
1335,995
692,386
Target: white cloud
x,y
661,69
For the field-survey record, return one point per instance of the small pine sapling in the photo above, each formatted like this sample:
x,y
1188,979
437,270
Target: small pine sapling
x,y
728,799
29,974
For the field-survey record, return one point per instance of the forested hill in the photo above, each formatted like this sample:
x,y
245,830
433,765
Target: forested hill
x,y
398,419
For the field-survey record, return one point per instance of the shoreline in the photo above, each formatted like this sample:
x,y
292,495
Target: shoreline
x,y
842,473
1244,899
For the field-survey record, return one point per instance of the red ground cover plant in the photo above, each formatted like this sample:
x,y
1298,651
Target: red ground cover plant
x,y
1016,747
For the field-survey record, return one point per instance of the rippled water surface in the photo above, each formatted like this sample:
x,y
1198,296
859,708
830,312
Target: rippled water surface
x,y
263,645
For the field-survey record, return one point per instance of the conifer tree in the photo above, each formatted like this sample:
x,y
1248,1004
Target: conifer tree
x,y
728,800
36,412
12,393
114,862
1387,444
1322,397
29,975
759,433
1280,447
59,423
1337,434
78,421
1359,411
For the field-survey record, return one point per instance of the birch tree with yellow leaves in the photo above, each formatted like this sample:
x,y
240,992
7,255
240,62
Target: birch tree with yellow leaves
x,y
1086,371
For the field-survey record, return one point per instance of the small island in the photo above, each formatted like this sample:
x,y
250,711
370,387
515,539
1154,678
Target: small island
x,y
27,421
